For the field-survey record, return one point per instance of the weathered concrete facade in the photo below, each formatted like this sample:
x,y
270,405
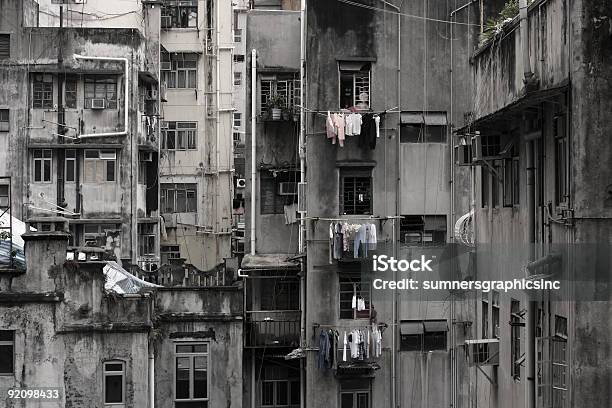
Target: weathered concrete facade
x,y
66,328
197,176
556,123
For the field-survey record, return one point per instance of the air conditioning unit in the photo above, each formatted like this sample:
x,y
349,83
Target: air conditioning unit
x,y
288,188
98,103
145,156
483,352
240,183
463,155
165,66
485,147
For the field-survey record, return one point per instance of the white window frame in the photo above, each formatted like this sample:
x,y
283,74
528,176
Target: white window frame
x,y
187,188
12,344
358,75
355,394
104,156
113,374
288,88
192,357
177,66
181,131
42,161
237,119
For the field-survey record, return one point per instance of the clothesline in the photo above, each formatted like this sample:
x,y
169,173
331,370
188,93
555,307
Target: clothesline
x,y
325,112
350,218
346,326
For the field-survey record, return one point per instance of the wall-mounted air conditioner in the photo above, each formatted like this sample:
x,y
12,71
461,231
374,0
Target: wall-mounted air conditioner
x,y
485,147
98,103
240,183
483,352
288,188
463,155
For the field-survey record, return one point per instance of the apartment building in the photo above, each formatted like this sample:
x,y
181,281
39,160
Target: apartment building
x,y
80,136
354,58
196,166
533,147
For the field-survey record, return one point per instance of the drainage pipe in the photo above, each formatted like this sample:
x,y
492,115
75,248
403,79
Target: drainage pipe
x,y
253,144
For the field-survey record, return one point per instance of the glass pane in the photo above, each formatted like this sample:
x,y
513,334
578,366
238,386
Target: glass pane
x,y
200,363
182,377
184,348
47,170
362,400
295,393
37,170
267,393
170,141
191,79
192,204
199,348
181,203
281,393
113,367
6,359
346,400
181,80
110,170
200,384
114,389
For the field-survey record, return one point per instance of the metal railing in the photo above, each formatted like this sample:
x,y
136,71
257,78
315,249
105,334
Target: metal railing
x,y
278,328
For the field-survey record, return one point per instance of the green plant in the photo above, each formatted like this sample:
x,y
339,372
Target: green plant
x,y
494,26
276,102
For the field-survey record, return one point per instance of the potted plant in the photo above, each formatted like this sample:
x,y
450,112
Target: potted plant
x,y
276,103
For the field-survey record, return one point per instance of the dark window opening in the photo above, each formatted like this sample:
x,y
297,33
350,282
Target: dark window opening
x,y
5,46
4,120
351,286
356,191
277,190
180,14
427,335
355,84
7,352
423,229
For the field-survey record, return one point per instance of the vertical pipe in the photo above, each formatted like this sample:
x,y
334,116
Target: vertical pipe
x,y
151,377
253,144
531,307
302,229
524,28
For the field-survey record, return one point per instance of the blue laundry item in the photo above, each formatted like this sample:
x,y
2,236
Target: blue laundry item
x,y
361,238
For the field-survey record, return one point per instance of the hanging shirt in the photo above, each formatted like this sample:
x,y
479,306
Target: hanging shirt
x,y
330,128
338,121
353,124
344,348
371,236
377,124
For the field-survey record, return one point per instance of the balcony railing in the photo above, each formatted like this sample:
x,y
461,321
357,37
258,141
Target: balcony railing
x,y
273,328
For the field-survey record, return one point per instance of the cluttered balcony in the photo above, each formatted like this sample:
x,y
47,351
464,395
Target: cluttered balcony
x,y
278,328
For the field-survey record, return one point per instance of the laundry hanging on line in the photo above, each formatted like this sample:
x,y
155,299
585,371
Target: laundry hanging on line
x,y
339,125
340,234
359,344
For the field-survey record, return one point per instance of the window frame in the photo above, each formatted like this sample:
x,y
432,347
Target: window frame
x,y
191,356
175,18
515,339
5,117
359,288
366,68
110,84
355,393
237,119
72,92
42,160
7,40
73,164
10,344
187,131
355,173
187,188
285,85
562,155
271,185
237,78
45,97
106,374
100,159
237,35
144,239
177,61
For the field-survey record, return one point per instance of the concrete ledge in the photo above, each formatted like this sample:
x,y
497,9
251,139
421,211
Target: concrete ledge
x,y
198,317
30,297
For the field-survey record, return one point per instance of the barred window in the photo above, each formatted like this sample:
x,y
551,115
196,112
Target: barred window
x,y
179,70
350,285
180,14
355,84
355,191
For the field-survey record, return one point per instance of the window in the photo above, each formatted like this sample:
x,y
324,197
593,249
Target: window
x,y
484,186
42,92
5,46
70,165
355,191
179,70
355,393
237,35
423,127
180,14
561,161
275,191
4,120
70,93
236,136
101,87
495,184
179,198
355,84
237,78
280,387
94,235
238,58
351,285
146,239
559,363
495,313
425,335
169,252
237,119
280,294
191,375
515,338
284,86
99,166
511,181
179,135
423,229
485,315
42,165
7,352
114,382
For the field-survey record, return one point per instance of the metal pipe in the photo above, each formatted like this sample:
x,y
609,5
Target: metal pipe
x,y
531,306
524,28
151,377
126,92
253,144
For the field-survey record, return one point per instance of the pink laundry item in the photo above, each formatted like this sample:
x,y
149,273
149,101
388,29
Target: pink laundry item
x,y
330,128
338,120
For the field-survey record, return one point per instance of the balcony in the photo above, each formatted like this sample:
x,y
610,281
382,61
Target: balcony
x,y
273,328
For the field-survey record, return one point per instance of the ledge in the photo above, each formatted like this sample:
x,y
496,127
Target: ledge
x,y
30,297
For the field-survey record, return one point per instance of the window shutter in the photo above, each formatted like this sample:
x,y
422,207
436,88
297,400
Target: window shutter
x,y
5,46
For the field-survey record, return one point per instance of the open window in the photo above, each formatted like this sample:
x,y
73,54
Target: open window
x,y
423,230
180,14
423,335
423,127
114,384
354,84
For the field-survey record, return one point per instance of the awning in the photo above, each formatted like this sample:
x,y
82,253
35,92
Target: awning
x,y
435,326
269,261
423,118
407,328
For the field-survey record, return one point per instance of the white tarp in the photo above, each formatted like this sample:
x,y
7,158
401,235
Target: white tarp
x,y
120,281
